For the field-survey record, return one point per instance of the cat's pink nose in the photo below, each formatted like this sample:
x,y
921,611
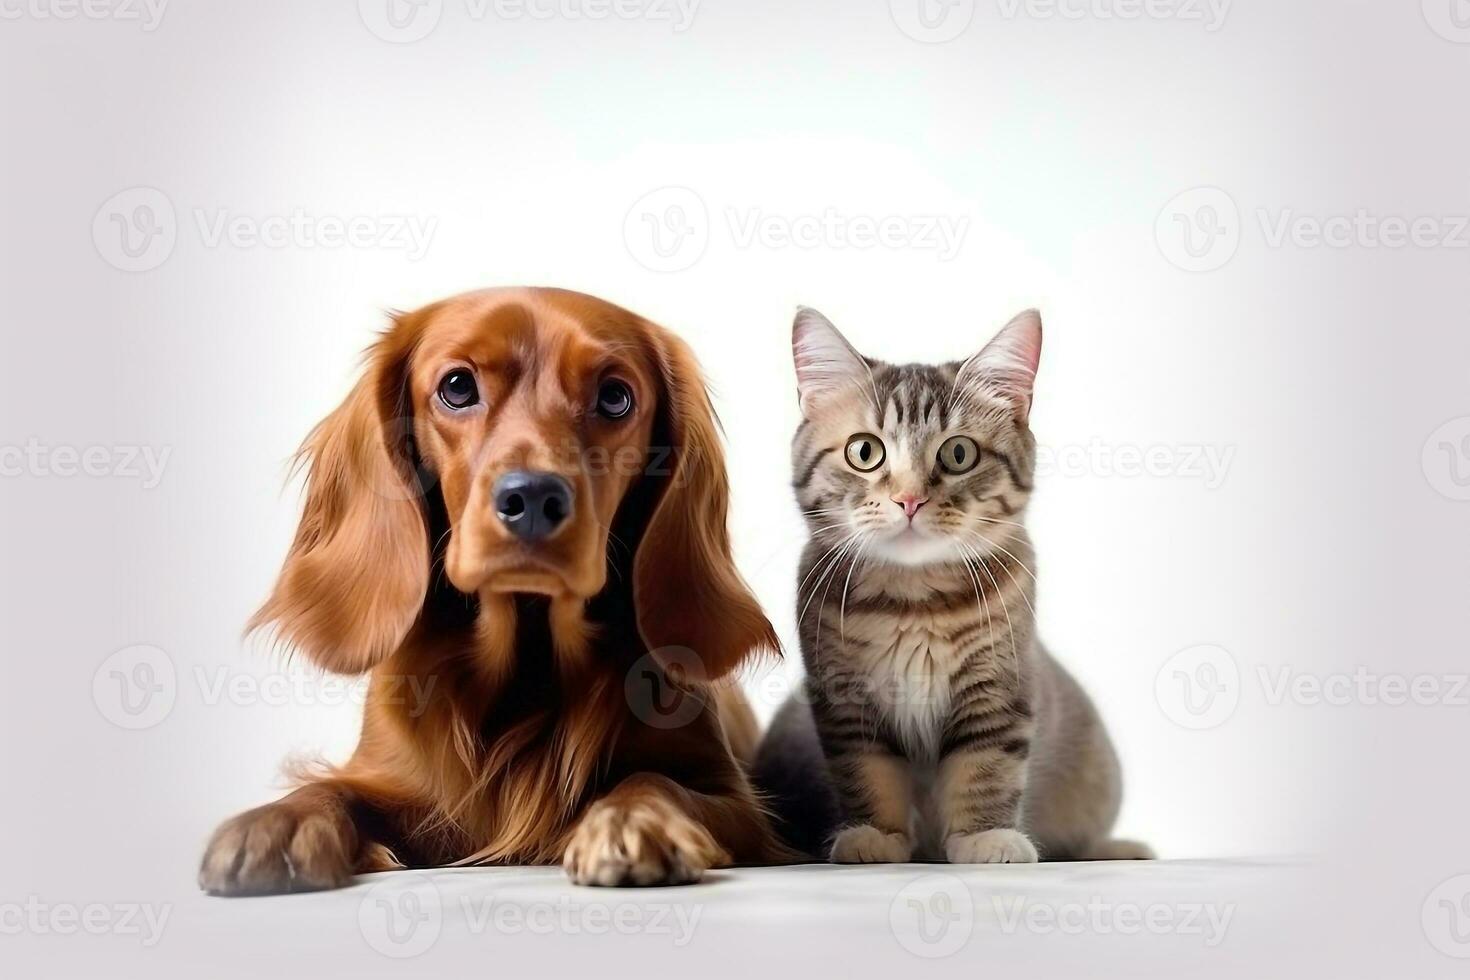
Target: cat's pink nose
x,y
910,502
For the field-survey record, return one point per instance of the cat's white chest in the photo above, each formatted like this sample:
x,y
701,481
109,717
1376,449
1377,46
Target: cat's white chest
x,y
909,669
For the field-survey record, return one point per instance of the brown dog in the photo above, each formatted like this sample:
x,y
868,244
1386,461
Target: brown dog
x,y
520,512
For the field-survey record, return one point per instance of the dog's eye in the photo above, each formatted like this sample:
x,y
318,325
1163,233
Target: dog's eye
x,y
458,390
865,452
959,454
614,399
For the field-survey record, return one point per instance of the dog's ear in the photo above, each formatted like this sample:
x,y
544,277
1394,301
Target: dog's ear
x,y
686,587
355,578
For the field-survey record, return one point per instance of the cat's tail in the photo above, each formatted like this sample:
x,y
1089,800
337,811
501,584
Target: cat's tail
x,y
790,775
1117,849
1107,849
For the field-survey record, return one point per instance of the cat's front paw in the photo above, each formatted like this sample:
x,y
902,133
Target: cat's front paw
x,y
866,844
1000,846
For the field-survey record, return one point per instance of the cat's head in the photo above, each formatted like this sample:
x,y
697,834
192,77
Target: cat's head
x,y
917,464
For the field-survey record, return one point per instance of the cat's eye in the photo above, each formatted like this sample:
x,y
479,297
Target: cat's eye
x,y
865,452
959,454
614,399
458,390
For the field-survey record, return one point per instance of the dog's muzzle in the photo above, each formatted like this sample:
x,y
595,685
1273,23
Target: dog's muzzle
x,y
532,506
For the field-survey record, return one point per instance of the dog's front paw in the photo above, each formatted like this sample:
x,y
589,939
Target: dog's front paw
x,y
866,844
1000,846
279,848
644,842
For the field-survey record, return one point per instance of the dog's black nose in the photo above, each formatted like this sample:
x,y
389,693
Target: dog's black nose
x,y
532,505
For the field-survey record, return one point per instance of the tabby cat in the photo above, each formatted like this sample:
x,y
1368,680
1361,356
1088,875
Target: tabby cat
x,y
932,723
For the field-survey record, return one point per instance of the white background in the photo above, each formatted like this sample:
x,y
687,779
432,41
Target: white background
x,y
531,144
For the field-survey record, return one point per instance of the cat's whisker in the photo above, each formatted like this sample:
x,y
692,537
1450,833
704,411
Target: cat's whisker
x,y
830,560
968,563
801,616
1003,550
817,638
996,520
979,594
857,559
818,563
822,530
1005,608
1007,570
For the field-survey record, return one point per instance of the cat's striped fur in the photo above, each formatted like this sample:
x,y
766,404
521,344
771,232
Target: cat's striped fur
x,y
946,730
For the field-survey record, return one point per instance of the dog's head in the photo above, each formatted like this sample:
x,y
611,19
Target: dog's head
x,y
534,423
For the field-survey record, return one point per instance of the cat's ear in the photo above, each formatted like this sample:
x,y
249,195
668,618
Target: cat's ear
x,y
825,362
1007,365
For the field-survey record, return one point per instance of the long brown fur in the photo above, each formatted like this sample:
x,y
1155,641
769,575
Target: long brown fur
x,y
501,724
